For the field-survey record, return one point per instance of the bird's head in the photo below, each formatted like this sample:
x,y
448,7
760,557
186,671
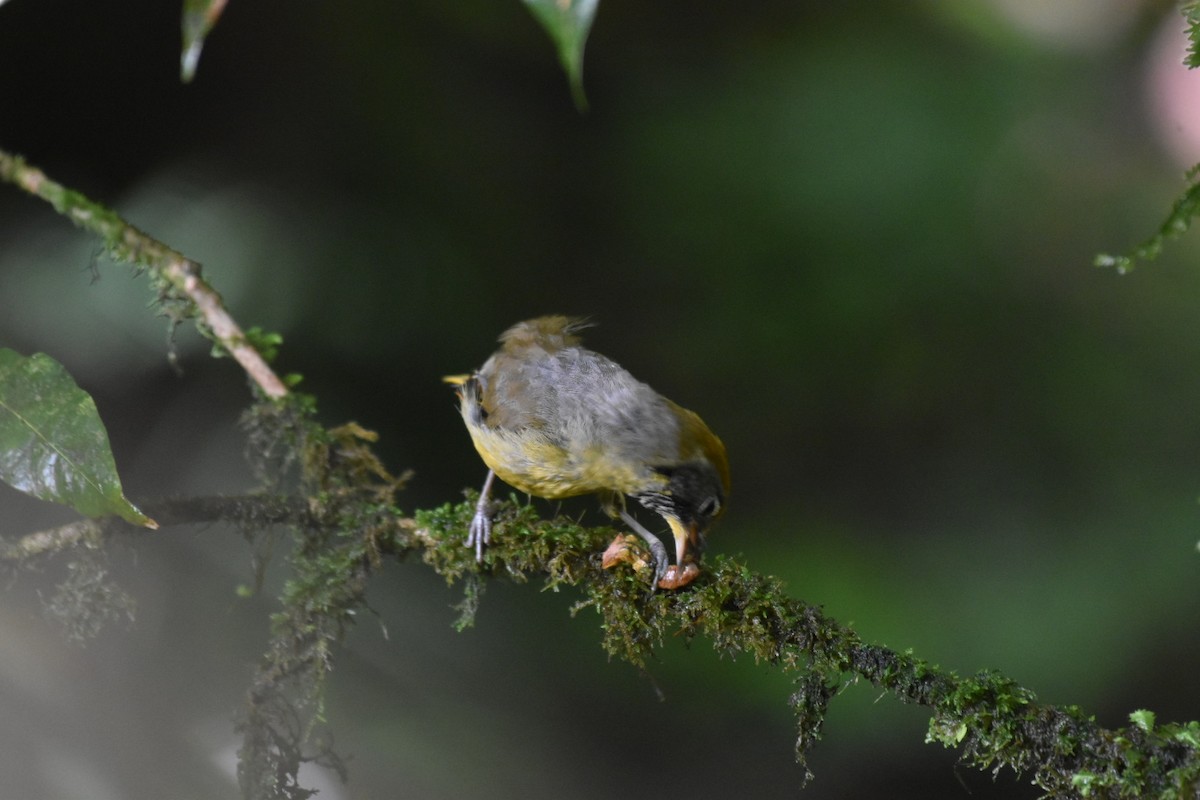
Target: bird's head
x,y
694,491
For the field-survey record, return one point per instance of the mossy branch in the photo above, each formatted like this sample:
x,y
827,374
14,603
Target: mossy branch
x,y
995,722
253,510
181,288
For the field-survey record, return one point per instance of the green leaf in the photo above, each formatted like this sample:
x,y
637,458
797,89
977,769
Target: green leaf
x,y
568,23
52,442
199,17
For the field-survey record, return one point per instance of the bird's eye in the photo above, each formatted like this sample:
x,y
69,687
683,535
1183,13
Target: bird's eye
x,y
708,507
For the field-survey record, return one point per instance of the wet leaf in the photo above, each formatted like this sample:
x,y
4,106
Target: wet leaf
x,y
52,442
568,23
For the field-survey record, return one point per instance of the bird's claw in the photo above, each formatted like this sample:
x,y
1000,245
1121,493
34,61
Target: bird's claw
x,y
479,534
662,563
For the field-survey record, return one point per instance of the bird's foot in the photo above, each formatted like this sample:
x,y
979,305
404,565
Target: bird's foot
x,y
662,564
657,549
480,532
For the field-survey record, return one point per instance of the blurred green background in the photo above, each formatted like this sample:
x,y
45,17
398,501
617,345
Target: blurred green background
x,y
857,238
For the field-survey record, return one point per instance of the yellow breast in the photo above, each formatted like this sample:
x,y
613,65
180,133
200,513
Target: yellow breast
x,y
528,461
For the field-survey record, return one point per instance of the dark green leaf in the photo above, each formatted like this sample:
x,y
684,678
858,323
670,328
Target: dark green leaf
x,y
52,442
199,17
568,23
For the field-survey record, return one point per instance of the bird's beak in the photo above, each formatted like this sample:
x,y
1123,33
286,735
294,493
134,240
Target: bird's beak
x,y
685,534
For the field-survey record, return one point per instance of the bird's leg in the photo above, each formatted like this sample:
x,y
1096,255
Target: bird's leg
x,y
480,532
657,549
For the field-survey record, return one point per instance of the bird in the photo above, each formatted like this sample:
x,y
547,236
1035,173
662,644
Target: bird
x,y
554,419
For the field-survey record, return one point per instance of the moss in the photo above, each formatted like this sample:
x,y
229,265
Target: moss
x,y
994,722
88,599
350,522
334,551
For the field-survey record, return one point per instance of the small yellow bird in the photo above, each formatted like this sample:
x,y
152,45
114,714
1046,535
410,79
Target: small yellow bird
x,y
554,419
